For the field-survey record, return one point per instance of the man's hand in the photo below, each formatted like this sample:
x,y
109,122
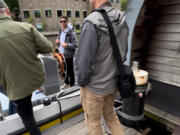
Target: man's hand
x,y
57,41
64,45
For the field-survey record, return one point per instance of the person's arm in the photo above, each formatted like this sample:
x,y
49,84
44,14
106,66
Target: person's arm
x,y
74,42
89,43
43,45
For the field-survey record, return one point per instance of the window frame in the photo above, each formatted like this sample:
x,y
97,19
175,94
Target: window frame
x,y
24,15
83,13
67,13
35,15
57,12
75,13
45,13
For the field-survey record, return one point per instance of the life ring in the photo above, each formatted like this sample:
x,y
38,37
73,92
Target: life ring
x,y
61,63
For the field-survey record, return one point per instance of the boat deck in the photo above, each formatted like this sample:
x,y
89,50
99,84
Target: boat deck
x,y
76,126
81,129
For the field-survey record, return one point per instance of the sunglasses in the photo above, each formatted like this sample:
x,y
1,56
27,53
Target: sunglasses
x,y
63,21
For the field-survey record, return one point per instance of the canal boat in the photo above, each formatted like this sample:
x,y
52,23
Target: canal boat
x,y
154,31
154,28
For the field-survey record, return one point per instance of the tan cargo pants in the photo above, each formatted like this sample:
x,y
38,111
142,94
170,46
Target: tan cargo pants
x,y
95,106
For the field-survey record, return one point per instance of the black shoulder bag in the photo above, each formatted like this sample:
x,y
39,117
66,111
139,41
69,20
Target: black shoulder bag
x,y
126,80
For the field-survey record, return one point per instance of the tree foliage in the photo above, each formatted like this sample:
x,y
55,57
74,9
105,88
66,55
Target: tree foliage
x,y
124,4
13,6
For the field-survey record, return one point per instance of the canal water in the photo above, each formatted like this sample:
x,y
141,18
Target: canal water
x,y
155,128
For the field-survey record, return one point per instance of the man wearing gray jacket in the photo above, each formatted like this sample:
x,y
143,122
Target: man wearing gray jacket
x,y
67,45
97,68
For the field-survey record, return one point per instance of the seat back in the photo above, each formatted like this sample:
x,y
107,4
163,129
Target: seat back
x,y
52,81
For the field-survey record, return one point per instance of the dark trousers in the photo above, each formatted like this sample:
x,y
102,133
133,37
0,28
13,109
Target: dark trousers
x,y
25,110
70,72
12,109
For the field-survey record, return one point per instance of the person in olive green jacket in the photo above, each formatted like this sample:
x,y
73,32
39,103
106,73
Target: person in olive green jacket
x,y
21,72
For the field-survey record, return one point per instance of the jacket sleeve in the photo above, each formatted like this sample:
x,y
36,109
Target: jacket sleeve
x,y
74,42
86,53
43,45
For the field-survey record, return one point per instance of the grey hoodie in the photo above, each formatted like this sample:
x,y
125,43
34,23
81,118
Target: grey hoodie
x,y
95,64
71,41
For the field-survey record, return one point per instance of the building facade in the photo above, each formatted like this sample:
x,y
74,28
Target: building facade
x,y
45,14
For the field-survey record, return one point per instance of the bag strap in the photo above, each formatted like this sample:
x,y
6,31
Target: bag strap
x,y
59,33
113,40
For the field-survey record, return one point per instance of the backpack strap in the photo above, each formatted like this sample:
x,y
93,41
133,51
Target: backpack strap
x,y
113,40
60,30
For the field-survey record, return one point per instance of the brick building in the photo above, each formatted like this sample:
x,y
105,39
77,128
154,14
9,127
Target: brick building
x,y
44,14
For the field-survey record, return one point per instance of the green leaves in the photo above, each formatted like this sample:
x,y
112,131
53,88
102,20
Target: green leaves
x,y
124,4
13,6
